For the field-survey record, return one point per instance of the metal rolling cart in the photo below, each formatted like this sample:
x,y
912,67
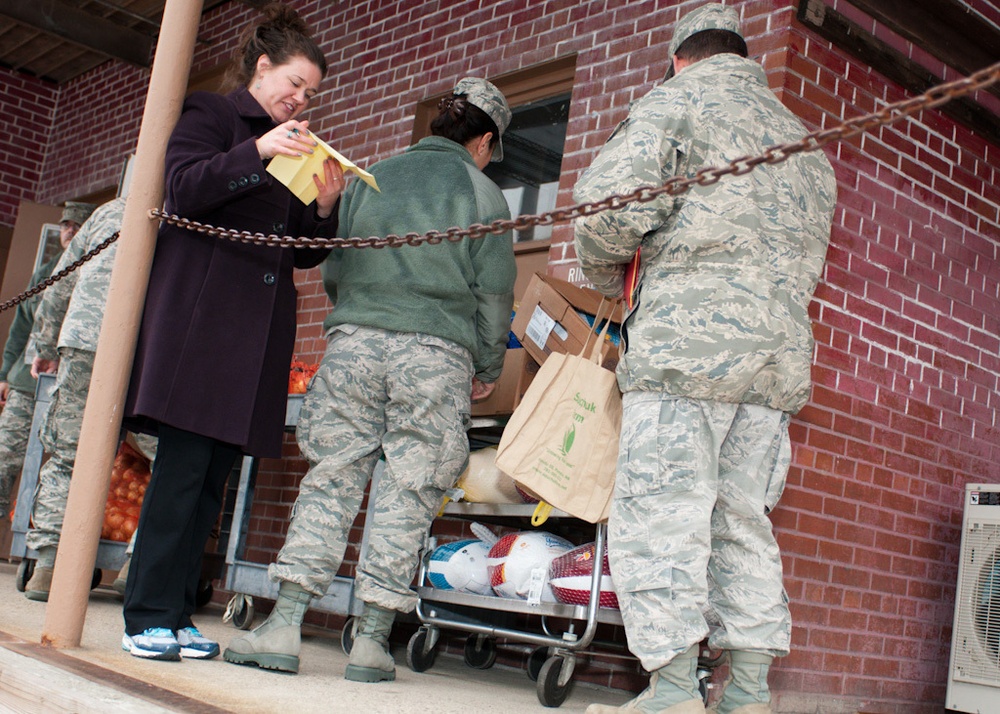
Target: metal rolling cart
x,y
552,661
247,579
110,554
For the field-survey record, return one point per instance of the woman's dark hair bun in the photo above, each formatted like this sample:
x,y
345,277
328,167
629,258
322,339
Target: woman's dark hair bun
x,y
282,17
460,120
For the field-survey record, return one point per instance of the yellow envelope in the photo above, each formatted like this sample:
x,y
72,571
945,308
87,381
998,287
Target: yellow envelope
x,y
296,172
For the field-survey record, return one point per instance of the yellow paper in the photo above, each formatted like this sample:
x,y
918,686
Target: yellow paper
x,y
296,172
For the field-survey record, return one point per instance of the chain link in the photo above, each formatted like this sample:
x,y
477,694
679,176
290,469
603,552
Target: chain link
x,y
676,185
31,292
933,97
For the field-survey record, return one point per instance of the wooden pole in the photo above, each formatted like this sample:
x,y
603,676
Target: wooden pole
x,y
102,417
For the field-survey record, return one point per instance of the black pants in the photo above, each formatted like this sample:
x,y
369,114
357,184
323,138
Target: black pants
x,y
179,510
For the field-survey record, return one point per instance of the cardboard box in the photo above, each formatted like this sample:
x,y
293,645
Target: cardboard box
x,y
547,320
518,371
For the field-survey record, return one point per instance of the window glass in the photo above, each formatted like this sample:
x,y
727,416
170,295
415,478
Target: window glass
x,y
533,149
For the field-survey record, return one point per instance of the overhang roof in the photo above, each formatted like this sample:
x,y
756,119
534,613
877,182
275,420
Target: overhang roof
x,y
58,40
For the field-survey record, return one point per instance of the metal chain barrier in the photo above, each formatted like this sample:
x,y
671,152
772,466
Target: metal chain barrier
x,y
891,113
31,292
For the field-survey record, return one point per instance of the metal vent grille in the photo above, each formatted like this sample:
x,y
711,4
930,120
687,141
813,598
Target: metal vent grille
x,y
977,639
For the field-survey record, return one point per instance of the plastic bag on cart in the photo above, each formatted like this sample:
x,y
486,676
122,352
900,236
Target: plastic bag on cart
x,y
571,574
460,565
483,482
519,564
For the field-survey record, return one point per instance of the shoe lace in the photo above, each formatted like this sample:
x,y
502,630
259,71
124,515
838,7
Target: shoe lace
x,y
158,632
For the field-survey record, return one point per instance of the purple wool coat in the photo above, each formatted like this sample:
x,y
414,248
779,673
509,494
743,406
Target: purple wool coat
x,y
218,327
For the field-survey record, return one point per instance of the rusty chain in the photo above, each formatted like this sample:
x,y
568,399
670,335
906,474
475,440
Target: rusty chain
x,y
31,292
933,97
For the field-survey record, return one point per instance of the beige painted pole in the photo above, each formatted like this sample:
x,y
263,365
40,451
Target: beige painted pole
x,y
102,417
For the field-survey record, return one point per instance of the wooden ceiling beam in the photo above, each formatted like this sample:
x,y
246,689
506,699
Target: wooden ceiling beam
x,y
858,42
89,31
947,29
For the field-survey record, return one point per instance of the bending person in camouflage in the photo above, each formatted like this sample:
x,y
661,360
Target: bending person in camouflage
x,y
413,332
67,326
717,356
17,385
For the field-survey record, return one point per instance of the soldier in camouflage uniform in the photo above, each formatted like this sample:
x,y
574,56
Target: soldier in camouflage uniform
x,y
17,385
717,349
413,332
67,326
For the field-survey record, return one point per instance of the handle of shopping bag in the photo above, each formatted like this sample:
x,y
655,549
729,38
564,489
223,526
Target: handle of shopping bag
x,y
541,514
595,352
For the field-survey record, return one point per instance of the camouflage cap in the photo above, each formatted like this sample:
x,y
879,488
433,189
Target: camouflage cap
x,y
78,213
707,17
487,97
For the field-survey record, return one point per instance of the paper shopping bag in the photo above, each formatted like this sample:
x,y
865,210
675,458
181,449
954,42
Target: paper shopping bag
x,y
561,442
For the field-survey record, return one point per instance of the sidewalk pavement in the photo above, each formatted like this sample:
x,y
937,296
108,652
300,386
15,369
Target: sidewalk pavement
x,y
100,678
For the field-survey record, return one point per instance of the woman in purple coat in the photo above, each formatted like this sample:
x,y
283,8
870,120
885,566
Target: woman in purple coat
x,y
218,328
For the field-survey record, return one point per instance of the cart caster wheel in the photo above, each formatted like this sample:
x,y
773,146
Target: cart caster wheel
x,y
418,656
480,651
550,692
243,612
535,661
95,579
204,594
24,572
347,636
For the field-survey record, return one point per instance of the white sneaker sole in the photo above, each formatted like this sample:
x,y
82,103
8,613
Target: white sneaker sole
x,y
191,653
171,654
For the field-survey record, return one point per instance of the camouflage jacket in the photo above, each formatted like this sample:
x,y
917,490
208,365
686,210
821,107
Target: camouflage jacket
x,y
727,270
72,310
19,352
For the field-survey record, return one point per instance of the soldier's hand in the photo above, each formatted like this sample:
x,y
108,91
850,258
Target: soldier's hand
x,y
4,391
43,366
481,390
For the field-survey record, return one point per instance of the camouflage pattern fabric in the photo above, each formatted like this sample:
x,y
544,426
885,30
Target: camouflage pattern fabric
x,y
717,349
15,428
696,480
377,392
60,435
728,270
72,310
707,17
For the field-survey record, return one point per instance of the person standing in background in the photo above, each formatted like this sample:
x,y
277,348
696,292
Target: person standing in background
x,y
17,385
67,325
717,351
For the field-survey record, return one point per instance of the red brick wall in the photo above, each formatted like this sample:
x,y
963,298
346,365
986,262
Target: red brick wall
x,y
906,317
27,106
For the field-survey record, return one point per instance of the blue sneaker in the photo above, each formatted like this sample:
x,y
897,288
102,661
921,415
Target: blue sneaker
x,y
194,645
153,643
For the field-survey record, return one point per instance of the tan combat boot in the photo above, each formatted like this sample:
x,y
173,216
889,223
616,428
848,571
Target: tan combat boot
x,y
121,580
673,689
370,660
745,690
38,586
276,643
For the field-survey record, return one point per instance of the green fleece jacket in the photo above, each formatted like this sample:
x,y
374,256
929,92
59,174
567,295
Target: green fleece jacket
x,y
462,292
14,370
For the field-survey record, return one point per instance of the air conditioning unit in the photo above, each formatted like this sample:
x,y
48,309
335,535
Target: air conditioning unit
x,y
974,669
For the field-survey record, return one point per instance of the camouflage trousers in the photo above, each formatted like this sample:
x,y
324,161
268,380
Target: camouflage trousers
x,y
15,427
690,543
60,435
402,395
